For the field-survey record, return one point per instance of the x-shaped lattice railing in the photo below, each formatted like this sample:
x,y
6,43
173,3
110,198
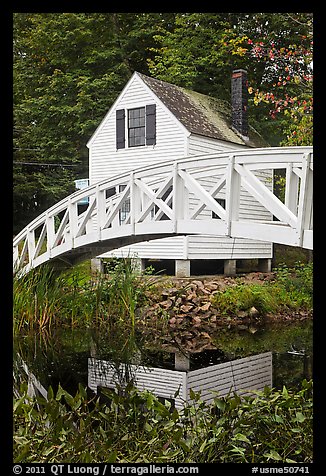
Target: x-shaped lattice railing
x,y
179,197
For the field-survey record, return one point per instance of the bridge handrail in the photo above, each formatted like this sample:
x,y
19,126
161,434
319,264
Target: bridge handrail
x,y
241,156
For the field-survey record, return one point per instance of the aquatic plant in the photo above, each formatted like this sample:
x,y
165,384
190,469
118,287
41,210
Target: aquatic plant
x,y
272,426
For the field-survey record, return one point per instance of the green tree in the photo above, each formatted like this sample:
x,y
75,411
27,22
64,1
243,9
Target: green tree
x,y
68,70
70,67
285,48
57,102
195,52
201,50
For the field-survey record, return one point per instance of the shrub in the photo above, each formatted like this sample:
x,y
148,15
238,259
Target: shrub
x,y
297,282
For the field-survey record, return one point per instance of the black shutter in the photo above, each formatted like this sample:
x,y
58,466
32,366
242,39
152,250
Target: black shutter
x,y
151,124
120,128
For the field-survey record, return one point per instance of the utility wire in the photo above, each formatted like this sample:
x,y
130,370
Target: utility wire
x,y
46,164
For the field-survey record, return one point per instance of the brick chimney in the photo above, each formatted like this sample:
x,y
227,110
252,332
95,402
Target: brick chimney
x,y
239,101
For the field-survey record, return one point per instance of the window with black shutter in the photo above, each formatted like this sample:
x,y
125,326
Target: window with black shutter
x,y
136,127
120,128
151,124
141,126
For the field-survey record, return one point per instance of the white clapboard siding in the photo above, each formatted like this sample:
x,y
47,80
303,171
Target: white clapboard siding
x,y
162,382
205,145
240,376
211,247
167,248
195,247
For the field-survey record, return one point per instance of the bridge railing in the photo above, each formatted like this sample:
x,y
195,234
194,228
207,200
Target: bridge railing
x,y
180,197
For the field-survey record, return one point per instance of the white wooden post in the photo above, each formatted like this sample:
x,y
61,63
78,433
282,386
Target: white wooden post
x,y
31,245
73,221
178,197
101,211
116,219
50,233
291,189
15,257
135,203
305,198
232,194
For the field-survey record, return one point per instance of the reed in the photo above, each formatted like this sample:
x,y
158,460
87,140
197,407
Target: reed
x,y
36,299
44,299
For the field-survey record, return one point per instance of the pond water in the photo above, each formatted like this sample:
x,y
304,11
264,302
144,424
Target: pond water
x,y
62,357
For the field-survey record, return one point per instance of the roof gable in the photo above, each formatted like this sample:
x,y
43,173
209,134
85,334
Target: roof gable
x,y
139,78
107,115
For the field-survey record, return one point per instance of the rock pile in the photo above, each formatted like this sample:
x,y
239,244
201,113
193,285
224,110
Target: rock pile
x,y
182,312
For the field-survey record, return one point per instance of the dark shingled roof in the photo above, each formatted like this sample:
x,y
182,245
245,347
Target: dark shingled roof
x,y
201,114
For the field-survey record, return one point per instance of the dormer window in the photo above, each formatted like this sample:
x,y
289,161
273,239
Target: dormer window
x,y
136,127
140,126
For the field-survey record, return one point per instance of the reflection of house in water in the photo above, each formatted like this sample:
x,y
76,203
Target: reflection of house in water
x,y
167,373
240,376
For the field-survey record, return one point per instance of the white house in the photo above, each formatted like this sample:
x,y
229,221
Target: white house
x,y
153,121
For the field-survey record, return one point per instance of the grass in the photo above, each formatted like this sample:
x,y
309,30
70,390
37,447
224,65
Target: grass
x,y
291,290
36,298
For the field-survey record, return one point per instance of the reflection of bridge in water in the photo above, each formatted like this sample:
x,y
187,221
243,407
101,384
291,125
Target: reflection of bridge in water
x,y
34,386
169,199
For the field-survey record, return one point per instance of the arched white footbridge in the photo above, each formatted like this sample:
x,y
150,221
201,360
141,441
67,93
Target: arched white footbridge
x,y
170,199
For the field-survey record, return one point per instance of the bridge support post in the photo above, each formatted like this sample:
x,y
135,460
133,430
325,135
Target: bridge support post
x,y
182,268
230,267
